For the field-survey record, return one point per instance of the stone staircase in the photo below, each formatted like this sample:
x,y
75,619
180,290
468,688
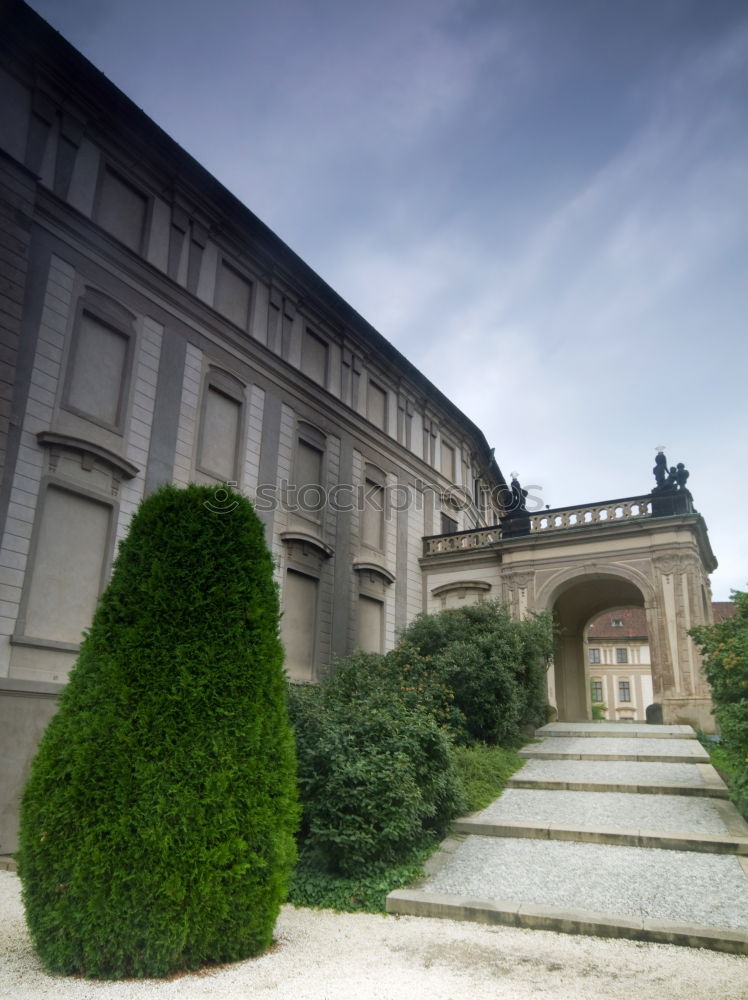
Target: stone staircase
x,y
610,829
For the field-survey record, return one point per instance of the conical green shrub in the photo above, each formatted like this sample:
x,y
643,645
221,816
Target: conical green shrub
x,y
157,825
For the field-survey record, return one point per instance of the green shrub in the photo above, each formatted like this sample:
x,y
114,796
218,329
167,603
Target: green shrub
x,y
375,776
157,823
494,665
725,647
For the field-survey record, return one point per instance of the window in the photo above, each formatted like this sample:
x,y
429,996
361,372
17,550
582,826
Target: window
x,y
314,358
449,525
370,624
96,372
233,294
372,514
594,655
616,622
448,461
376,405
622,656
597,690
72,543
219,436
309,471
122,210
624,691
299,624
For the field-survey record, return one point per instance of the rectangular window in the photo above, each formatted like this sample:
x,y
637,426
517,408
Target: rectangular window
x,y
233,293
372,530
376,405
622,655
97,368
299,625
597,691
314,358
219,435
624,691
448,462
122,210
72,545
449,525
370,624
308,479
594,656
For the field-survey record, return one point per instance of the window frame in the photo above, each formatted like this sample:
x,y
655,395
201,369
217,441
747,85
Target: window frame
x,y
227,262
622,654
624,691
229,386
109,166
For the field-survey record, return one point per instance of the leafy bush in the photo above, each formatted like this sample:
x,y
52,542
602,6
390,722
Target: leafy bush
x,y
157,823
494,665
375,776
725,647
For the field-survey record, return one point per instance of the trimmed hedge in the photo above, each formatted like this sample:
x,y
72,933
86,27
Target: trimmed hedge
x,y
157,825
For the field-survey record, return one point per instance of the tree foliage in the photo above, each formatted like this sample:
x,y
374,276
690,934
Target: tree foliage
x,y
157,824
725,648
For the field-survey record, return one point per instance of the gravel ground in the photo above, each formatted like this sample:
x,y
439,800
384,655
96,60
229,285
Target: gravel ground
x,y
321,955
611,745
689,888
626,772
671,813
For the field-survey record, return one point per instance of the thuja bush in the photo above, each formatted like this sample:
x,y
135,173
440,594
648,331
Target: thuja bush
x,y
494,665
376,778
725,647
157,825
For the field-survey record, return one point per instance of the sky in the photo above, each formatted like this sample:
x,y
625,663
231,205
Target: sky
x,y
543,204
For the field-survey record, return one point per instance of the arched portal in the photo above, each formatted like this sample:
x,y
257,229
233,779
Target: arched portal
x,y
576,602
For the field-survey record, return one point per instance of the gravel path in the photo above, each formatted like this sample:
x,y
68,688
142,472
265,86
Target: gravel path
x,y
321,955
627,772
611,745
626,881
671,813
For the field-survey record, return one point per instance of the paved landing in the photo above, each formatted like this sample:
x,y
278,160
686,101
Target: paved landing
x,y
589,841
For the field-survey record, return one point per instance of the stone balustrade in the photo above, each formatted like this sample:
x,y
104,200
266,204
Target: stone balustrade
x,y
560,518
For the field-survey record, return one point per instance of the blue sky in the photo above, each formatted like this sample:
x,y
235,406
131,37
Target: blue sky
x,y
542,203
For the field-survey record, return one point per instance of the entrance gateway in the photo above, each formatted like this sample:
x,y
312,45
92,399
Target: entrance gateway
x,y
650,551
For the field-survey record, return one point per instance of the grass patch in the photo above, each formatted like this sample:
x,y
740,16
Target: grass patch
x,y
483,772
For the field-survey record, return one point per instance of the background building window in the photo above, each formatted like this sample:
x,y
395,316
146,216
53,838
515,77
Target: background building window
x,y
370,624
309,472
594,655
449,525
597,690
122,210
616,622
624,691
622,655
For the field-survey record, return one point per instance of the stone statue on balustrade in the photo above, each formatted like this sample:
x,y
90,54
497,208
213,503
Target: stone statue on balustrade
x,y
516,520
670,493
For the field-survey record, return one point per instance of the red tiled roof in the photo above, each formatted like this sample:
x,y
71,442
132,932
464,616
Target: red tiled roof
x,y
722,610
633,624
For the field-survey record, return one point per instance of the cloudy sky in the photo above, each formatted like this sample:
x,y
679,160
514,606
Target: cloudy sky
x,y
542,203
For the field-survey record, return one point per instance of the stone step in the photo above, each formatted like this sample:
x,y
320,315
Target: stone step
x,y
617,730
622,776
654,788
603,749
651,894
418,903
705,843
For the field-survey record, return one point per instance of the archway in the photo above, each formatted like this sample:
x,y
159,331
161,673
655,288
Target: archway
x,y
575,603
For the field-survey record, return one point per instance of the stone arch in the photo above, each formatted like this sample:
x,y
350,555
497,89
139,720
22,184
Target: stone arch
x,y
576,596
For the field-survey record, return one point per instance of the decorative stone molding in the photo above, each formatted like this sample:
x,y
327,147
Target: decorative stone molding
x,y
516,581
305,539
461,587
88,451
362,566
